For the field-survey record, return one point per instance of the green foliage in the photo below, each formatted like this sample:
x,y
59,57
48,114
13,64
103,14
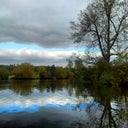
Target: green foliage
x,y
41,71
4,73
53,71
79,68
11,77
107,79
121,73
61,73
24,71
98,75
70,74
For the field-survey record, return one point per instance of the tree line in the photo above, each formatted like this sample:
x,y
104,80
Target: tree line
x,y
97,74
29,71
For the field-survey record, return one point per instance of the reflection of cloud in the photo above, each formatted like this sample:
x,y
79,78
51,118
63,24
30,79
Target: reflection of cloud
x,y
8,98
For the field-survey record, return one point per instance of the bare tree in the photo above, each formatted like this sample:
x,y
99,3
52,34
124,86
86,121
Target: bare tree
x,y
104,26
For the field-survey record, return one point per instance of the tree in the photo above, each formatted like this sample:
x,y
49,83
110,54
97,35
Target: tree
x,y
79,68
4,73
53,70
60,73
104,26
70,64
24,71
41,70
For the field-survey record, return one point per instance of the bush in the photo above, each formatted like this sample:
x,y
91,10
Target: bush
x,y
4,73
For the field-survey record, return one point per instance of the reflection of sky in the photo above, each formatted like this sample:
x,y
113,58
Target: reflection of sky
x,y
16,108
11,102
35,108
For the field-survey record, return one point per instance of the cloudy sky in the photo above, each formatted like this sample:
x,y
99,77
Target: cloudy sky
x,y
37,31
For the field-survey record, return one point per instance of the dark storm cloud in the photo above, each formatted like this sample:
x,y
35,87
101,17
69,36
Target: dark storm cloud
x,y
45,23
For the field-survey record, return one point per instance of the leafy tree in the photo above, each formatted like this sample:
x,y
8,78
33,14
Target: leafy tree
x,y
41,70
4,73
53,70
104,26
24,71
49,74
69,68
60,72
23,88
70,64
79,68
70,74
121,74
78,64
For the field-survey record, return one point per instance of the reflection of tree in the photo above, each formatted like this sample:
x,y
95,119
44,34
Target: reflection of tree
x,y
122,111
26,87
54,85
107,119
112,112
108,110
4,85
23,87
48,85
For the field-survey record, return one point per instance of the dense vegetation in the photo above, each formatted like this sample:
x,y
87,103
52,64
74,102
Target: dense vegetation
x,y
97,74
103,28
28,71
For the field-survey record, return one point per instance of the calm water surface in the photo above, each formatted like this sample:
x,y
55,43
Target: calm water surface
x,y
61,104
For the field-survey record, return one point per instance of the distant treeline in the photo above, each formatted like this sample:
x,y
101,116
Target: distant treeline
x,y
29,71
98,74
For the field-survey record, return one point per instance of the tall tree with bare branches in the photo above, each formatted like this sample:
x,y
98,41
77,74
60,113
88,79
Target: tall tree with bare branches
x,y
104,26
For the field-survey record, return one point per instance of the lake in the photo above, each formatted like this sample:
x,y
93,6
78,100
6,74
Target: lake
x,y
61,104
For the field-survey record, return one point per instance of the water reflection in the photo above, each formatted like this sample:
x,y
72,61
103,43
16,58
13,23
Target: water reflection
x,y
16,109
19,95
113,108
92,107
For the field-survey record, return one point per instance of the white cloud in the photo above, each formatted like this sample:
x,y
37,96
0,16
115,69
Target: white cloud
x,y
40,23
36,57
